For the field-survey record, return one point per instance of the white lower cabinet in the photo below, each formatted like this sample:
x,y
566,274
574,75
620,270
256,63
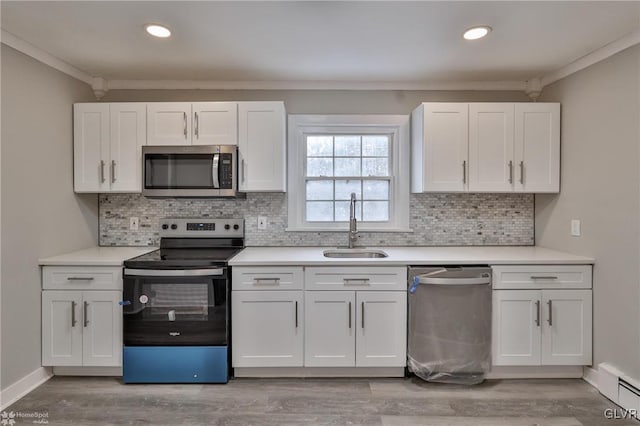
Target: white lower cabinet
x,y
542,327
81,328
267,328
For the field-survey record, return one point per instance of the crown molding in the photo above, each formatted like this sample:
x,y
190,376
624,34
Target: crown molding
x,y
311,85
593,58
44,57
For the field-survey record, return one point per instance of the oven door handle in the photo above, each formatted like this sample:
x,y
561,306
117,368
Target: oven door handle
x,y
174,272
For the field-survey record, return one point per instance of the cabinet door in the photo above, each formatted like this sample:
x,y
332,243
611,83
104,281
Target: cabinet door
x,y
445,147
381,338
516,327
102,325
566,331
61,328
215,123
491,156
537,134
267,328
90,147
262,146
169,123
128,134
330,329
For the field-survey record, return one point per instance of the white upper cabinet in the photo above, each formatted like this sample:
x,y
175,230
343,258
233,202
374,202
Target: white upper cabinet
x,y
537,146
262,146
485,147
107,147
491,162
440,147
215,123
169,123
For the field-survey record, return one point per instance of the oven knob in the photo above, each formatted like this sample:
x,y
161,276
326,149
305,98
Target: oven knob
x,y
227,227
165,226
236,226
174,226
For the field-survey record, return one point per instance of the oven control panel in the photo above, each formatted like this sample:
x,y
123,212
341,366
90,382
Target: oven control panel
x,y
198,227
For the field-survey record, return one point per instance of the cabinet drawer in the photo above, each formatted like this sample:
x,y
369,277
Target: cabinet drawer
x,y
541,276
267,278
356,278
81,278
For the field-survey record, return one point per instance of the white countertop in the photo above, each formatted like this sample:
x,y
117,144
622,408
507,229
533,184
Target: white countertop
x,y
96,256
409,256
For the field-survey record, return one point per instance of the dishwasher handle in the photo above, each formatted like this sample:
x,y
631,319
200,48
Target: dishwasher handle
x,y
454,281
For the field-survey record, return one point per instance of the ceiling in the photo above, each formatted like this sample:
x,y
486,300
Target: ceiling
x,y
319,41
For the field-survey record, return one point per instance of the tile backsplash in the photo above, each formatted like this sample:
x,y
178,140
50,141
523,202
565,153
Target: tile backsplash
x,y
436,219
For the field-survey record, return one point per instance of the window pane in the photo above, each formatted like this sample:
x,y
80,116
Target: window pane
x,y
348,166
319,211
319,146
347,146
375,146
344,188
376,190
319,167
375,211
342,211
374,166
320,190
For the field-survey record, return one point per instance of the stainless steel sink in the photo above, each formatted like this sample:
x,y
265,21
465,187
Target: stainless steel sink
x,y
355,253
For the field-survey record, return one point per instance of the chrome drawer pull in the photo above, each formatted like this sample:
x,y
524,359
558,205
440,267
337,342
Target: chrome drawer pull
x,y
73,314
538,313
80,279
534,277
356,281
349,315
267,280
550,320
86,314
363,315
296,314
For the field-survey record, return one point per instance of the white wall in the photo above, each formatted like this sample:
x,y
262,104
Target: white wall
x,y
41,216
601,186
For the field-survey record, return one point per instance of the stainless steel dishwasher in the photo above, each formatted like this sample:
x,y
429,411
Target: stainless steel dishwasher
x,y
450,323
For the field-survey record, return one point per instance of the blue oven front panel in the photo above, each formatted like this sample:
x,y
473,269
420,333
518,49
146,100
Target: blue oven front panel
x,y
175,364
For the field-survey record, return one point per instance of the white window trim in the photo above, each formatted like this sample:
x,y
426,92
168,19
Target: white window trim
x,y
397,125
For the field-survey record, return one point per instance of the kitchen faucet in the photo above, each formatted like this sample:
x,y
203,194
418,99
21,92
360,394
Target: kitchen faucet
x,y
353,224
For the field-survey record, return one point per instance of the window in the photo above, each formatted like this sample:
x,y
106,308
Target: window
x,y
331,157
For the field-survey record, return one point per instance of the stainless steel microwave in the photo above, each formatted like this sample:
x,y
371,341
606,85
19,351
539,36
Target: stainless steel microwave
x,y
189,171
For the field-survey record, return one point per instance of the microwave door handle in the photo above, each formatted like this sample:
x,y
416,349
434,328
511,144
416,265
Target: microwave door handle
x,y
215,171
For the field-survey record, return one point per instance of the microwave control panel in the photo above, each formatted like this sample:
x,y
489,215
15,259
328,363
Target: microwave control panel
x,y
226,171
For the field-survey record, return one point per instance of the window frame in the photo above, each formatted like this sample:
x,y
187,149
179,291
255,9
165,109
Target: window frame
x,y
397,126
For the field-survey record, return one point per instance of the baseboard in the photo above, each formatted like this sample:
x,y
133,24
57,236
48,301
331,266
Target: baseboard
x,y
88,371
23,386
319,372
617,387
591,376
535,372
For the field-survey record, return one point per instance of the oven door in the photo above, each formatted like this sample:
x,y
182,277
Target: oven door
x,y
175,307
199,171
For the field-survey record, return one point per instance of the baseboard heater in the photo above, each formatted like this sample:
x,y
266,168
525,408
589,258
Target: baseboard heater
x,y
625,392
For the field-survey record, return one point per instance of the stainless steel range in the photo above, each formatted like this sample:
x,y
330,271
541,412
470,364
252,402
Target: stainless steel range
x,y
176,304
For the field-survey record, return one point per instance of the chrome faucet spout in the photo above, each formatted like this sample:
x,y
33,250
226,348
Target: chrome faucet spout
x,y
353,223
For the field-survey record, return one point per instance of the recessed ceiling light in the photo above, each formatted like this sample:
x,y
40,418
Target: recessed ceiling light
x,y
157,30
475,33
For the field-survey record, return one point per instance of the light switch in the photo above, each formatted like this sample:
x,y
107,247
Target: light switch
x,y
133,223
262,222
575,227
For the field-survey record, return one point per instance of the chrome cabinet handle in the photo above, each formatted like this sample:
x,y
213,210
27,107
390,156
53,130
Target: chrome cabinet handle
x,y
363,315
266,280
296,314
197,123
538,313
550,319
242,174
102,171
184,121
73,314
356,281
113,171
349,315
543,277
464,171
80,279
522,172
86,310
510,171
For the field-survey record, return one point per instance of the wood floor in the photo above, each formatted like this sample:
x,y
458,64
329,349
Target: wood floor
x,y
105,401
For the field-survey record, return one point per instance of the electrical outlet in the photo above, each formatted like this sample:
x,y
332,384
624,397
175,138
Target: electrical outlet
x,y
262,222
575,227
133,223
